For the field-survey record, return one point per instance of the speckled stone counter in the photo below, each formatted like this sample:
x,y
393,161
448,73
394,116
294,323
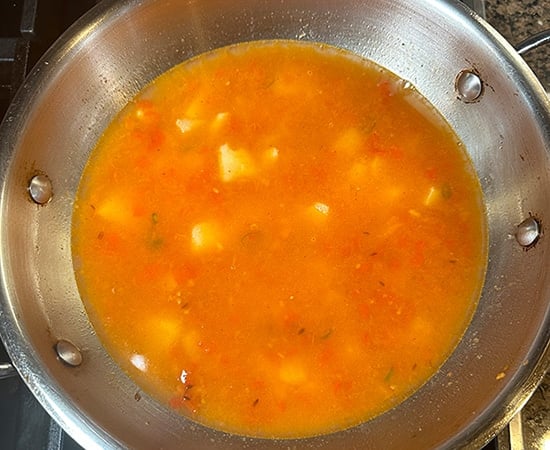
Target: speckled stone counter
x,y
517,20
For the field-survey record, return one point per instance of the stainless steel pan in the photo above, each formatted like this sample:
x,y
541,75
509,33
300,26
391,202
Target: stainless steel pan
x,y
472,76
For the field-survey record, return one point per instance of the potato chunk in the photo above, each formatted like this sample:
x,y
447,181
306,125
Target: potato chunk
x,y
292,373
206,236
317,212
219,121
235,164
115,208
433,196
186,125
349,142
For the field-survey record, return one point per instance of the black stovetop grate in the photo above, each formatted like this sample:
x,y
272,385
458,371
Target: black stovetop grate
x,y
27,29
16,32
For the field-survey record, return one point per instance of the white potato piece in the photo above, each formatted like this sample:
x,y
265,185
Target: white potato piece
x,y
186,125
349,142
219,121
206,236
115,209
197,108
317,212
322,208
235,164
433,196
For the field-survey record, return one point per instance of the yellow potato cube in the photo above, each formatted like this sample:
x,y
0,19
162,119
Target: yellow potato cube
x,y
219,121
433,196
196,108
206,236
318,212
115,209
234,164
292,373
322,208
186,125
349,142
162,332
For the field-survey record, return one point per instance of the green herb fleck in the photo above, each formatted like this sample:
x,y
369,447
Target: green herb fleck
x,y
446,191
156,242
327,334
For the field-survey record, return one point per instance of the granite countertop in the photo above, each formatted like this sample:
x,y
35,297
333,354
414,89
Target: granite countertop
x,y
517,20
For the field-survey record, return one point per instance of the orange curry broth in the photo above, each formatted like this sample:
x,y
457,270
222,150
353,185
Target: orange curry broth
x,y
279,239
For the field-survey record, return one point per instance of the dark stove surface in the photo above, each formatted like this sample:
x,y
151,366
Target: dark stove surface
x,y
29,27
24,424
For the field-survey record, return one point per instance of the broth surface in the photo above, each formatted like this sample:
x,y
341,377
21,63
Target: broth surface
x,y
279,239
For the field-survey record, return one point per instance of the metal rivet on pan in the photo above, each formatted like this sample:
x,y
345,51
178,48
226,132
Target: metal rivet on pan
x,y
528,232
68,353
40,189
468,86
